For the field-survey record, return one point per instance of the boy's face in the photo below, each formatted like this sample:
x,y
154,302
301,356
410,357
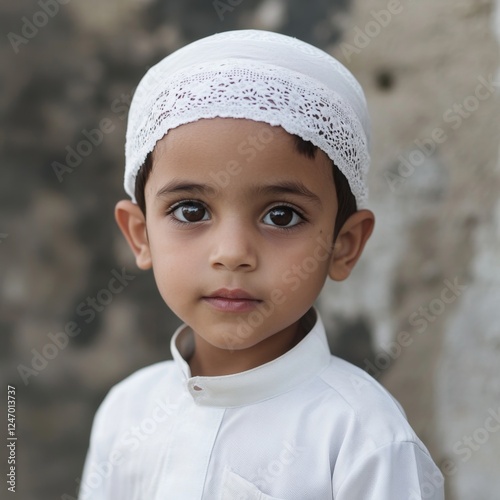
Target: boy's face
x,y
232,205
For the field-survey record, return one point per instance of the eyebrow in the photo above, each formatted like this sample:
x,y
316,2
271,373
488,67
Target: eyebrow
x,y
282,187
180,185
289,187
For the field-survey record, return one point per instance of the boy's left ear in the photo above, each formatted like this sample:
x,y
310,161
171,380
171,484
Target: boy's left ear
x,y
350,243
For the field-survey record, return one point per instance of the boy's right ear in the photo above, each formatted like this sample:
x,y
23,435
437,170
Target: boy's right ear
x,y
132,223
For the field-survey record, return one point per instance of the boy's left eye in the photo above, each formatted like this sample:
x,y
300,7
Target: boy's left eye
x,y
282,216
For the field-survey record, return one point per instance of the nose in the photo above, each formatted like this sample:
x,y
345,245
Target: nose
x,y
233,246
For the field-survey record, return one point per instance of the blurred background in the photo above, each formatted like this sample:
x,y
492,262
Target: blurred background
x,y
421,312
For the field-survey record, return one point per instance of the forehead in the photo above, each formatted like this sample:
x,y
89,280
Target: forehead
x,y
229,153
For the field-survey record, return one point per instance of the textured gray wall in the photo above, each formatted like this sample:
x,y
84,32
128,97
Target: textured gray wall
x,y
435,345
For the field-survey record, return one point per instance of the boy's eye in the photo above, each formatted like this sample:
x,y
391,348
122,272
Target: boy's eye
x,y
190,211
282,216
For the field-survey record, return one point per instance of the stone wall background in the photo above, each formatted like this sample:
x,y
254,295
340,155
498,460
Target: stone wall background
x,y
438,217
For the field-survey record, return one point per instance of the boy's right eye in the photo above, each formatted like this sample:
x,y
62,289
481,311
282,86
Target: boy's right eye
x,y
189,211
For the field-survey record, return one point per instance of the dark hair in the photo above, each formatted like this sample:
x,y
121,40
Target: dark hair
x,y
346,201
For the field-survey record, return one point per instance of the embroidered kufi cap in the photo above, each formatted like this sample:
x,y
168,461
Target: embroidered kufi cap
x,y
261,76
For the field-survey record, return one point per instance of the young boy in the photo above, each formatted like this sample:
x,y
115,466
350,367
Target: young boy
x,y
246,160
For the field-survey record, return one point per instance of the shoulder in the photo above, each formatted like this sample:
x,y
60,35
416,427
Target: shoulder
x,y
374,429
362,403
129,400
147,377
355,386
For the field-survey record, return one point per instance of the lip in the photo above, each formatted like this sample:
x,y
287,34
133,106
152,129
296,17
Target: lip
x,y
236,300
235,293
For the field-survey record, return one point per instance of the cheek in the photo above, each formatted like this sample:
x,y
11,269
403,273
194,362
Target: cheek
x,y
174,264
300,270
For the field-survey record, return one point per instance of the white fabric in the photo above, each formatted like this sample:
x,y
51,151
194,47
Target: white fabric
x,y
305,426
261,76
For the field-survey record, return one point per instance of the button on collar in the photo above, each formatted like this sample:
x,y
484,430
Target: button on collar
x,y
309,357
196,388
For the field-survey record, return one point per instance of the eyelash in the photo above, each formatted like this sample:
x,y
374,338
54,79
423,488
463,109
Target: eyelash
x,y
169,212
299,224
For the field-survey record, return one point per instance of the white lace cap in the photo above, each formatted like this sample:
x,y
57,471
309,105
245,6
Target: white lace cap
x,y
261,76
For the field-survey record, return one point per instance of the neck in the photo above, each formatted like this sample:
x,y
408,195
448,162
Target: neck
x,y
208,360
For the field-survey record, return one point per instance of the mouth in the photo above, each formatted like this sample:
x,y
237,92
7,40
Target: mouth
x,y
236,300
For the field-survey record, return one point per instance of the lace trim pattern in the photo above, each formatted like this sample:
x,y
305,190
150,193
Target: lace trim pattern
x,y
257,91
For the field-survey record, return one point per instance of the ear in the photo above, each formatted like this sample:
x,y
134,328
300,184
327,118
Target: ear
x,y
132,223
350,243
